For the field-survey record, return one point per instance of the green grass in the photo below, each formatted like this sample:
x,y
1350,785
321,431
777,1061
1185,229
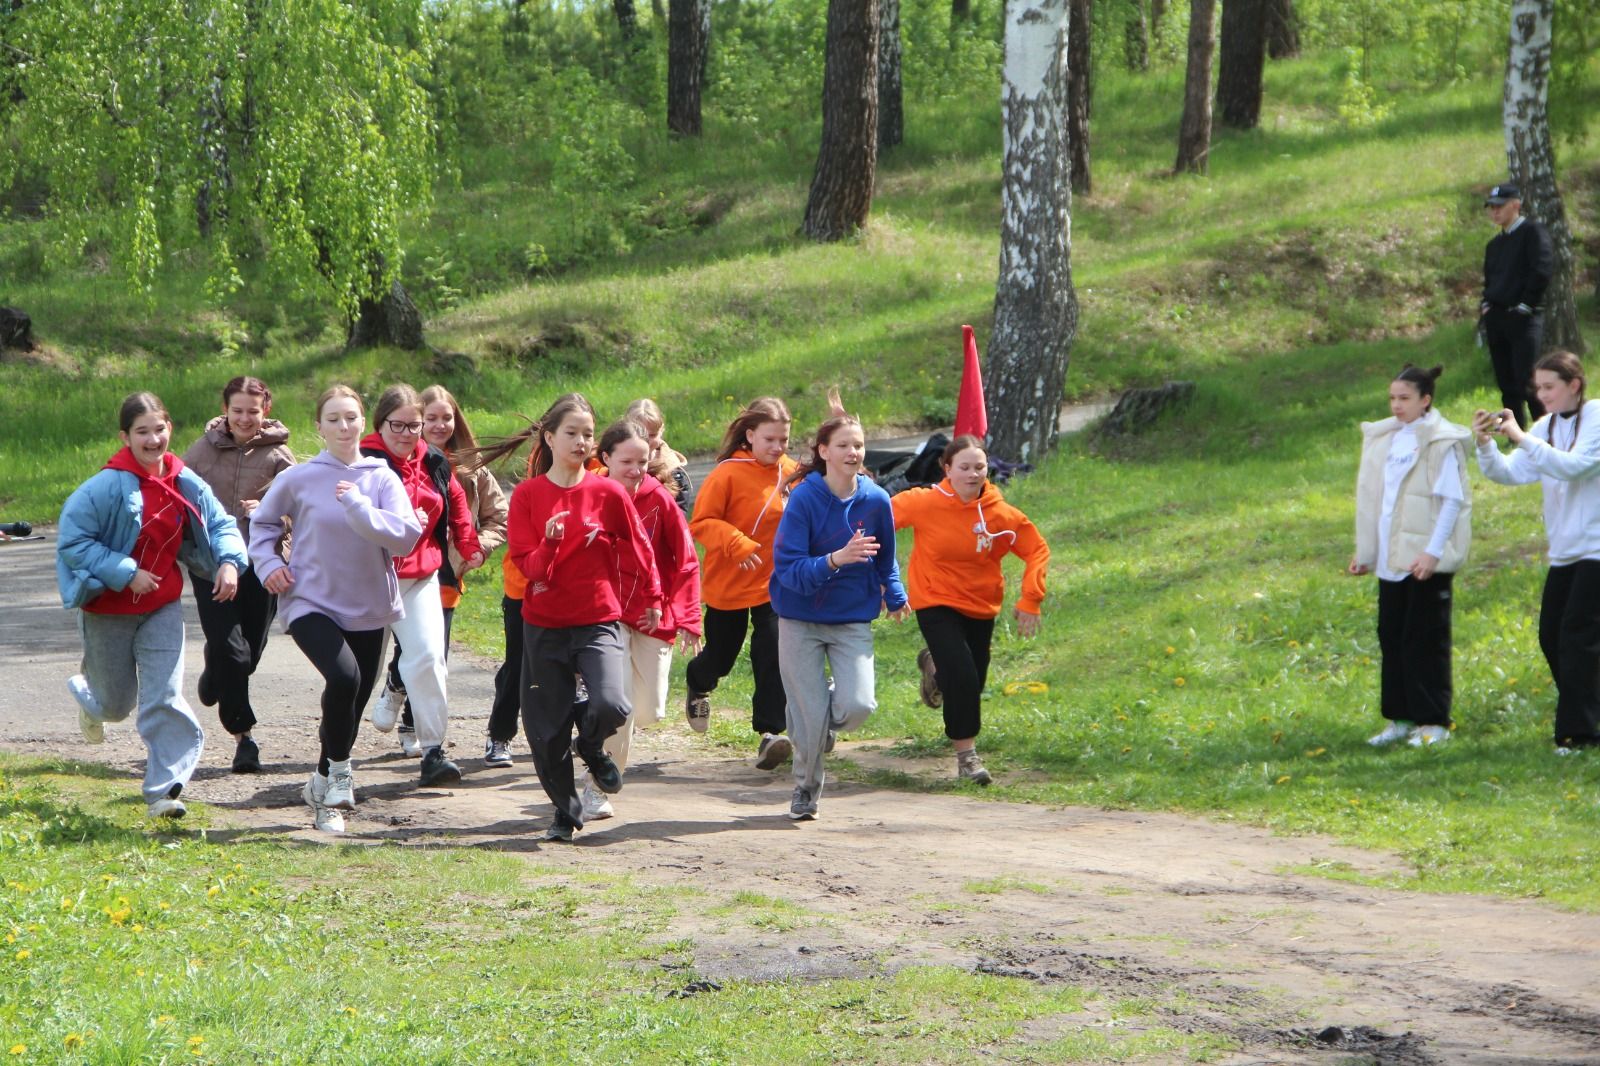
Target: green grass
x,y
123,943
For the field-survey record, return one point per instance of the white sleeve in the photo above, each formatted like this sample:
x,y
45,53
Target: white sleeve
x,y
1583,461
1515,469
1449,489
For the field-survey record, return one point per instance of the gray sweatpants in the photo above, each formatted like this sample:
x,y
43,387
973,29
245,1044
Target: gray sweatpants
x,y
804,649
136,661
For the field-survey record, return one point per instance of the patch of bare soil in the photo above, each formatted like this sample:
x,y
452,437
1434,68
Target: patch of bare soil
x,y
1202,922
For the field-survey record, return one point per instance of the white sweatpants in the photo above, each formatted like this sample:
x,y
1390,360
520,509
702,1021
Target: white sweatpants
x,y
649,673
422,662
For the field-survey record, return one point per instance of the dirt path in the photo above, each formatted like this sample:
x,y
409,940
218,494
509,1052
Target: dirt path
x,y
1201,918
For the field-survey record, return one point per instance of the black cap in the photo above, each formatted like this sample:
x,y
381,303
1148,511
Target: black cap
x,y
1501,193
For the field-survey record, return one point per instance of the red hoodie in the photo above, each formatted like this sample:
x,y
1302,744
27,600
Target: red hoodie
x,y
427,557
161,519
676,563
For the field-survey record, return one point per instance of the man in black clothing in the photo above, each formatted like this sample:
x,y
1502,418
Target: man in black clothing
x,y
1517,265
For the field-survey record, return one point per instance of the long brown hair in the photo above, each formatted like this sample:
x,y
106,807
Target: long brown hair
x,y
756,413
549,422
838,419
462,439
1566,366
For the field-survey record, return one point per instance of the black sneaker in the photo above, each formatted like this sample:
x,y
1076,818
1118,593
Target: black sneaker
x,y
208,691
438,770
561,829
246,756
603,772
775,750
697,708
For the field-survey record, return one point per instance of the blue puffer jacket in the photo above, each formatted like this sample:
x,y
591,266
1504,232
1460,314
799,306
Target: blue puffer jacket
x,y
100,524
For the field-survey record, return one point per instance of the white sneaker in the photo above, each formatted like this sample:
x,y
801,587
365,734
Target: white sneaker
x,y
409,744
89,723
386,712
341,789
166,807
324,818
595,805
1392,732
1428,735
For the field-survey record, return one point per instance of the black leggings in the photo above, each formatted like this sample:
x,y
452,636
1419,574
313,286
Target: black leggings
x,y
348,662
959,645
724,638
1414,640
236,635
1569,634
508,679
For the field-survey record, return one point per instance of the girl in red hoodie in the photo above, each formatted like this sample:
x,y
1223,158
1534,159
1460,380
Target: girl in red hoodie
x,y
963,527
625,451
569,532
442,507
126,536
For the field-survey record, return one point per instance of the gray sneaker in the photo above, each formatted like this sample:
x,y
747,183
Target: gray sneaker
x,y
969,767
802,805
930,682
496,752
775,750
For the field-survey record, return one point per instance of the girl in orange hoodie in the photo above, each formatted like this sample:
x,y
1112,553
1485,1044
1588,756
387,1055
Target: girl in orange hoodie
x,y
735,518
963,527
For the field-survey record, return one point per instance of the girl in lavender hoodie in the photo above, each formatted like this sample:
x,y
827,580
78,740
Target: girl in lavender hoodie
x,y
350,517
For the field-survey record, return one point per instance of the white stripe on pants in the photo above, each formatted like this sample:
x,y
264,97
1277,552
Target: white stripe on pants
x,y
649,674
422,663
804,650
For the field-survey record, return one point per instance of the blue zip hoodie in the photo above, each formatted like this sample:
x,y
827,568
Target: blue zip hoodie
x,y
817,523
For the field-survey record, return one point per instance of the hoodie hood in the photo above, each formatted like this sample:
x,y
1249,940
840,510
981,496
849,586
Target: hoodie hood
x,y
363,462
271,433
165,482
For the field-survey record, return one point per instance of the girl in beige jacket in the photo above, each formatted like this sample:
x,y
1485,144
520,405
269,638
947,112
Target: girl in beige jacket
x,y
1413,530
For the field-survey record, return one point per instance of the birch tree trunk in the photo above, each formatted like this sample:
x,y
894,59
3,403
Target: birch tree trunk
x,y
1080,92
688,22
891,110
1532,162
1194,133
1035,308
847,162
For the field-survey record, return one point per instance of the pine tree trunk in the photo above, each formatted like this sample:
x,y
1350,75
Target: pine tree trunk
x,y
688,22
1035,308
960,11
1532,163
659,12
1239,67
627,18
1194,133
1136,38
891,109
394,320
1283,30
841,187
1080,91
1158,11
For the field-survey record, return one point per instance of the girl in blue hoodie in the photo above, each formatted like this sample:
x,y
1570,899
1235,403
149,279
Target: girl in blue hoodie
x,y
834,570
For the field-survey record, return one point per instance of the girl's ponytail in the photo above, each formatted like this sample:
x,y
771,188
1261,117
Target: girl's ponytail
x,y
540,460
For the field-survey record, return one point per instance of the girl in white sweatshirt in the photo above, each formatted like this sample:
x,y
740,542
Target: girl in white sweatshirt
x,y
1413,529
1561,451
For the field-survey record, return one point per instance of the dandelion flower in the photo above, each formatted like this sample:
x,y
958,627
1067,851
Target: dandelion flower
x,y
212,891
1294,644
350,1011
19,1049
1179,682
1314,752
24,954
73,1040
163,1019
1171,650
196,1040
66,903
1283,780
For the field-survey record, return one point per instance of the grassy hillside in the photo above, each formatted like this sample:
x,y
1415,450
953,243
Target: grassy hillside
x,y
1204,651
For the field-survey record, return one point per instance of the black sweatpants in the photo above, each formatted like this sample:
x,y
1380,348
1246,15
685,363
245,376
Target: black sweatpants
x,y
236,635
508,679
551,661
1514,342
959,645
394,680
1569,634
349,661
724,637
1414,639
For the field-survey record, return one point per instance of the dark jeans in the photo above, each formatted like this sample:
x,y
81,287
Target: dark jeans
x,y
1569,634
348,662
508,679
959,645
1414,638
394,681
236,635
724,637
551,661
1514,341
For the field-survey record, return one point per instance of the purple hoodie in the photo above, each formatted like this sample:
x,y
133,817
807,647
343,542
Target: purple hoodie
x,y
344,549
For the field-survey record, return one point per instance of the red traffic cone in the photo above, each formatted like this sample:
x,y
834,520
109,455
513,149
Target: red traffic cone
x,y
971,416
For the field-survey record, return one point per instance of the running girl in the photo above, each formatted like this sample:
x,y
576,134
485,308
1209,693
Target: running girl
x,y
666,464
420,631
1561,451
736,515
569,531
962,529
834,570
1413,527
124,533
350,516
239,454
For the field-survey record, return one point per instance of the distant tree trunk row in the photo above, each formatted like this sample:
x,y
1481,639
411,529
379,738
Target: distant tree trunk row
x,y
688,30
841,187
1080,91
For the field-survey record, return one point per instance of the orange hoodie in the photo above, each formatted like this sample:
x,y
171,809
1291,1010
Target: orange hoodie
x,y
736,515
956,553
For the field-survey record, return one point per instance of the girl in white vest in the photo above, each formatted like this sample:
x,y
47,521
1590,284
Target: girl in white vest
x,y
1561,451
1413,530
